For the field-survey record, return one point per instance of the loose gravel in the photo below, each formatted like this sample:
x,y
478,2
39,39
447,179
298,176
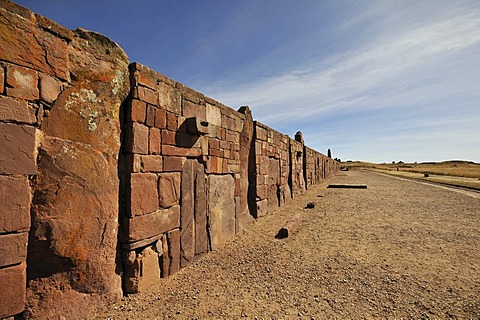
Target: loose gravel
x,y
398,249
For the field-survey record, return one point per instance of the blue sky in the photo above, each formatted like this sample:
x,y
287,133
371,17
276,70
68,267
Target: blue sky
x,y
378,81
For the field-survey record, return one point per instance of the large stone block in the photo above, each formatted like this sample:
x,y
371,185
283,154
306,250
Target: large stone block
x,y
190,109
187,222
169,189
49,88
213,115
154,141
16,110
144,193
13,248
23,43
137,138
143,273
169,98
201,235
136,111
15,197
151,163
12,295
174,250
152,224
221,209
17,149
173,163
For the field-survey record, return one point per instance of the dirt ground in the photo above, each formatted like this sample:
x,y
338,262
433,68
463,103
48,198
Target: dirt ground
x,y
399,249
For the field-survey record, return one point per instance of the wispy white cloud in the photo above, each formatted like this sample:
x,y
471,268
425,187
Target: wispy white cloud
x,y
415,68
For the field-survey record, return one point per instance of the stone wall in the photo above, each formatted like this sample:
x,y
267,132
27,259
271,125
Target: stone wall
x,y
113,175
185,185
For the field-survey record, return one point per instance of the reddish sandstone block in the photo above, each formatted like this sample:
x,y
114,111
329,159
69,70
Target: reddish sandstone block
x,y
174,250
153,224
150,120
160,118
187,222
171,121
168,137
17,149
146,78
2,79
147,95
49,88
212,164
15,199
154,141
32,46
16,110
201,220
169,189
169,98
13,248
136,111
13,281
165,263
190,109
173,163
151,163
137,138
168,150
143,273
144,194
22,83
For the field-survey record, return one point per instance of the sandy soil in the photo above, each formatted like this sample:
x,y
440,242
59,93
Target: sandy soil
x,y
399,249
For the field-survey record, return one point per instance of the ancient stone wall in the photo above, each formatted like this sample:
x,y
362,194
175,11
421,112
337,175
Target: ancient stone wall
x,y
270,174
113,175
186,186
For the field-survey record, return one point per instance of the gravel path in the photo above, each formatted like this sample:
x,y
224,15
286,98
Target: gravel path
x,y
398,249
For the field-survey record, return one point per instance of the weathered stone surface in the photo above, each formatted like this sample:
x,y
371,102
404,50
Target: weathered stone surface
x,y
221,209
262,208
181,152
154,141
76,193
75,210
49,88
137,138
174,250
160,118
201,235
152,224
213,115
243,216
17,149
16,110
144,193
169,98
151,163
190,109
136,111
13,283
143,273
169,189
13,248
23,43
15,199
187,222
150,119
173,163
165,259
2,79
172,123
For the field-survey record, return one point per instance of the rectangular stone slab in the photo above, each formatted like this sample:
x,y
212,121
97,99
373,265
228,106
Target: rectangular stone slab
x,y
348,186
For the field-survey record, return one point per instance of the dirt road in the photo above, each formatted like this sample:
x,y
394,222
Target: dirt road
x,y
398,249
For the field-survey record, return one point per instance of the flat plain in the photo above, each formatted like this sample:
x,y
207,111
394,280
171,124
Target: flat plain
x,y
398,249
